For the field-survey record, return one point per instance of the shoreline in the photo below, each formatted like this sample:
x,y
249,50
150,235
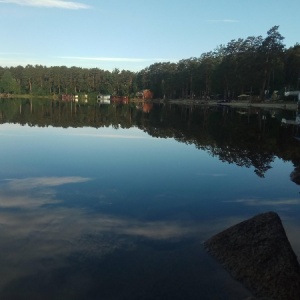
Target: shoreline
x,y
241,104
286,105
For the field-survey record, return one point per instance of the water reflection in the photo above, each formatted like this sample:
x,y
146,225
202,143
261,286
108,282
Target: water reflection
x,y
113,201
50,251
295,175
246,137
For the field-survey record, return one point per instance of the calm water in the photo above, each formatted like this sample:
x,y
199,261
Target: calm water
x,y
114,201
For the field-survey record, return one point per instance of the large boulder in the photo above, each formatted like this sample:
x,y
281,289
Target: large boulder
x,y
257,253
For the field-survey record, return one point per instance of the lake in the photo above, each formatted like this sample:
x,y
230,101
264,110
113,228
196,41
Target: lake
x,y
114,201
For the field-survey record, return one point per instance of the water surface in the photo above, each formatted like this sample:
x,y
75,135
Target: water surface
x,y
114,202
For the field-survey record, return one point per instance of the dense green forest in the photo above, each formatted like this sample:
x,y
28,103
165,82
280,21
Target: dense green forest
x,y
256,65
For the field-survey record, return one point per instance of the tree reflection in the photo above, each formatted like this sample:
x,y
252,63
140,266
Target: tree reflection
x,y
245,137
295,175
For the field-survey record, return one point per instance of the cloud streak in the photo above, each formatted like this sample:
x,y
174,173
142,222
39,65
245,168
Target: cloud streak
x,y
48,3
114,59
223,21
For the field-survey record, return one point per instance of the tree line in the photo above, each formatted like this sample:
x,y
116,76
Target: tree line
x,y
42,80
256,66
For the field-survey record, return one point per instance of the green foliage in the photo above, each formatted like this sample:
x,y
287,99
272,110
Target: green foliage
x,y
250,65
292,67
41,80
254,66
8,84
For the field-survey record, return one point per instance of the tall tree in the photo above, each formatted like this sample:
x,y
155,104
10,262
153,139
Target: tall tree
x,y
270,52
292,67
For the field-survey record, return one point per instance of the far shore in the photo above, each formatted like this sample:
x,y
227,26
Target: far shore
x,y
279,104
242,104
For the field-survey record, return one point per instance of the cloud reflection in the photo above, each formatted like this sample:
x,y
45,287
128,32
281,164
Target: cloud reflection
x,y
266,202
33,192
212,174
36,182
34,237
112,136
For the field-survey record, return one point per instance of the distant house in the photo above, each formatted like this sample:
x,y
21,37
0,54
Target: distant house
x,y
144,94
103,97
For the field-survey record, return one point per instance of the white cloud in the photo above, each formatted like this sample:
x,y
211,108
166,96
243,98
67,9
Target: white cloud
x,y
48,3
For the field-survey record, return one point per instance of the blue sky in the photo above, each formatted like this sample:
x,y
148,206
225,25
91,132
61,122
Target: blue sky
x,y
133,34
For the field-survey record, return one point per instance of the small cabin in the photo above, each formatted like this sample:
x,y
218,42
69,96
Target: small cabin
x,y
103,97
144,94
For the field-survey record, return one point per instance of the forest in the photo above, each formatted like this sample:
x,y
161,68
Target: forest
x,y
261,67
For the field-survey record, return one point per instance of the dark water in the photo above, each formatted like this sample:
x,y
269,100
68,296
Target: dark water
x,y
114,201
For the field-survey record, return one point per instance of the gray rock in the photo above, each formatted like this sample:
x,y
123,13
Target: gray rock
x,y
257,253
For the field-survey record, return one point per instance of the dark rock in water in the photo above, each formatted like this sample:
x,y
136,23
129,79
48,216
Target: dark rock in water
x,y
257,253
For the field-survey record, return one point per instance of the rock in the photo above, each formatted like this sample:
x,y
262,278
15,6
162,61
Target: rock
x,y
257,253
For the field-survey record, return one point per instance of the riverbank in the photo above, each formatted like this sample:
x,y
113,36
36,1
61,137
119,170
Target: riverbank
x,y
241,104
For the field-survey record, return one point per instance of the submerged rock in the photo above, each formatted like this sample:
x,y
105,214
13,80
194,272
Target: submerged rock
x,y
257,253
